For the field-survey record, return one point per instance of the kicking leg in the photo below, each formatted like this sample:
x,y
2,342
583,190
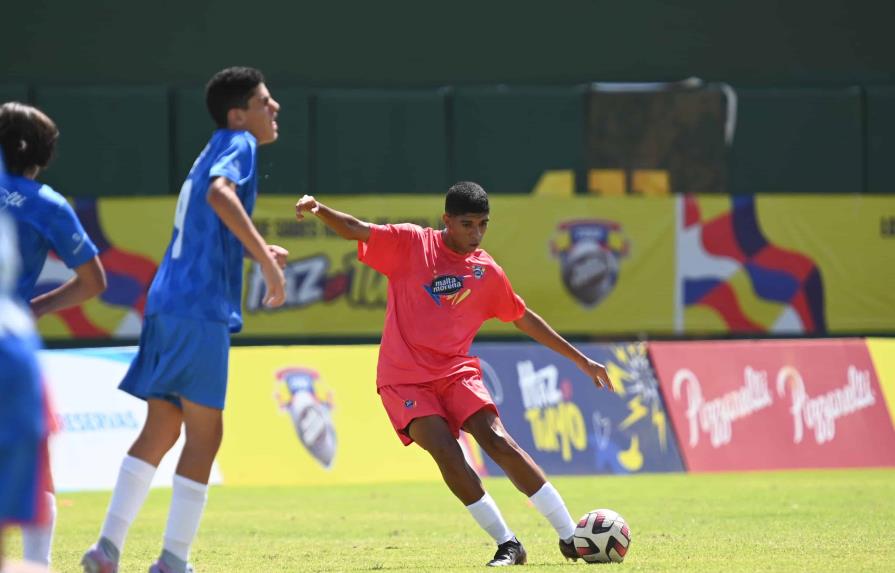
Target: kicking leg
x,y
204,431
433,434
487,429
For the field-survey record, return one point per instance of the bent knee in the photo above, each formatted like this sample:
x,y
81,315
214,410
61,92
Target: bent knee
x,y
444,450
497,444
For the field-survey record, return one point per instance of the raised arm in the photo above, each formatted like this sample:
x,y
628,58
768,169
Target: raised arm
x,y
225,202
537,328
345,225
88,282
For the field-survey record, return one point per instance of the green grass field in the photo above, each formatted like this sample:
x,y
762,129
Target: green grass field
x,y
781,521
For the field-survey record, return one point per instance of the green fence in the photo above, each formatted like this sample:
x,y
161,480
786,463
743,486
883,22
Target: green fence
x,y
142,140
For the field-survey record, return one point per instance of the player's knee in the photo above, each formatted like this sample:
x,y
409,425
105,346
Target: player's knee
x,y
206,438
444,451
497,444
169,437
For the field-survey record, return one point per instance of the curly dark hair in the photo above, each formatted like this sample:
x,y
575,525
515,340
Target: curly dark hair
x,y
230,88
466,197
27,136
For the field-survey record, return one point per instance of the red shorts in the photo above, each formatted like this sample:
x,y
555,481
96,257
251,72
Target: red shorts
x,y
455,399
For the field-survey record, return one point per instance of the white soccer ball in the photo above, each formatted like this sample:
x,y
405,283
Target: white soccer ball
x,y
602,536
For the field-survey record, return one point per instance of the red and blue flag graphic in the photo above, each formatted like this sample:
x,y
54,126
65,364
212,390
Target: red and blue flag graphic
x,y
728,265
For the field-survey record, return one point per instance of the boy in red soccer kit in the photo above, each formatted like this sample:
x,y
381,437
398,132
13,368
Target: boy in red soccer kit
x,y
441,288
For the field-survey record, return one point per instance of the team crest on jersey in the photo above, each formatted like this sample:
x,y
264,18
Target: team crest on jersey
x,y
444,286
478,271
10,199
410,403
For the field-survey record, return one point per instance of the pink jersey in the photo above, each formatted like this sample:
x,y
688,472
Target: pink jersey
x,y
437,301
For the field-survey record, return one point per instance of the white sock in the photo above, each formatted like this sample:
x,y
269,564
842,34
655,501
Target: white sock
x,y
187,504
548,501
486,514
127,499
38,539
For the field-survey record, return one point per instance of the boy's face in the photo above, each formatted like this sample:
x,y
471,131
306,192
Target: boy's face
x,y
259,118
464,233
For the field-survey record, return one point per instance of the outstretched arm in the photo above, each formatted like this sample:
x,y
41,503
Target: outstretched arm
x,y
225,202
537,328
345,225
88,282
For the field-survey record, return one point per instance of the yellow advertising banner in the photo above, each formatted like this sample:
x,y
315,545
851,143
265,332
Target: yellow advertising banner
x,y
882,352
311,415
592,266
587,265
786,264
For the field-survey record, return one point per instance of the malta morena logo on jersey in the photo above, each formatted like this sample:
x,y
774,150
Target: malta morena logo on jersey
x,y
444,286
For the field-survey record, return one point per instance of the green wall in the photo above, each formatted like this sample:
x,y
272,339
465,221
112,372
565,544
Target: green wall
x,y
406,97
127,140
404,43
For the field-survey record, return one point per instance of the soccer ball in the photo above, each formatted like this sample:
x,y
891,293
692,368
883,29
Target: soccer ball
x,y
602,536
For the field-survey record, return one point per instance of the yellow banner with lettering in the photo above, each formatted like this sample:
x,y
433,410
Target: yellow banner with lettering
x,y
590,265
587,265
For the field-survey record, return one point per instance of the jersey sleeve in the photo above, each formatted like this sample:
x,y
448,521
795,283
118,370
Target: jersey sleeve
x,y
508,306
388,246
235,162
68,237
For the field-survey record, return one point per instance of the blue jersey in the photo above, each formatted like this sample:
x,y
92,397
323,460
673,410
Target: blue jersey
x,y
201,274
44,220
21,406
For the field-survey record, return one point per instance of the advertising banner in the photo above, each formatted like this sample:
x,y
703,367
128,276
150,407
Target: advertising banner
x,y
310,415
785,264
566,423
761,405
294,416
98,423
592,266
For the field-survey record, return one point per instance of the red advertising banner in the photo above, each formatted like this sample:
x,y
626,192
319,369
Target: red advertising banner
x,y
774,404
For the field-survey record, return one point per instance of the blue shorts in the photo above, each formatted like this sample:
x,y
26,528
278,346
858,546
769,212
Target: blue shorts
x,y
180,358
22,431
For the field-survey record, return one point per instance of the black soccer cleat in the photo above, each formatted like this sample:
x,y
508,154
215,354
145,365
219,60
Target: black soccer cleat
x,y
568,550
509,553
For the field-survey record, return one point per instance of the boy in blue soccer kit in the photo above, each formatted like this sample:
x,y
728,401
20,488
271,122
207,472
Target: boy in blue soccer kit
x,y
43,221
192,307
23,426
